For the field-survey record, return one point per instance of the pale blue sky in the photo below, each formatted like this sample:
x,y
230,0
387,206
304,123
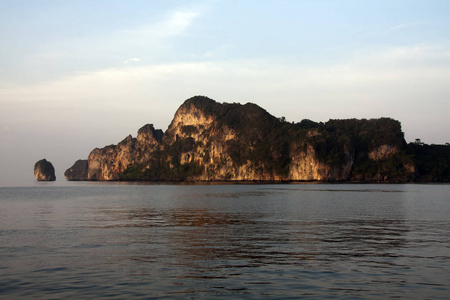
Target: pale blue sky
x,y
75,75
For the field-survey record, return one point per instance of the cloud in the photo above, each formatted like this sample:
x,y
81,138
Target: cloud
x,y
131,60
404,26
408,83
175,23
155,41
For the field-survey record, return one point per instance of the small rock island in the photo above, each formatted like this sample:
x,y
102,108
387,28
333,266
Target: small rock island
x,y
44,171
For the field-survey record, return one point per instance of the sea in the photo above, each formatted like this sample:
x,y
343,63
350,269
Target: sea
x,y
86,240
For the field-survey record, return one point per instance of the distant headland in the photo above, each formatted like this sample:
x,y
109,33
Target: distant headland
x,y
211,141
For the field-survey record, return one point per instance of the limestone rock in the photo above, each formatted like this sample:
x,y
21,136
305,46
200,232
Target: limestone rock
x,y
78,172
210,141
44,171
109,162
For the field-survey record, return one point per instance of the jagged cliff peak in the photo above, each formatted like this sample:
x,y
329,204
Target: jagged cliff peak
x,y
235,116
210,107
203,103
148,132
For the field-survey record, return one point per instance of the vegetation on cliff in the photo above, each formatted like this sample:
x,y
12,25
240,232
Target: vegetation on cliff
x,y
432,162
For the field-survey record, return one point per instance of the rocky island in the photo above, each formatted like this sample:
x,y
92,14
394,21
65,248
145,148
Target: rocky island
x,y
211,141
44,171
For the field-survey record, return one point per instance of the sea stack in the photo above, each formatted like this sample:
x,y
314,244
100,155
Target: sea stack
x,y
44,171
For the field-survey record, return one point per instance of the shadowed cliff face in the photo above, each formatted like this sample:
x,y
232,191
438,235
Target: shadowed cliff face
x,y
207,140
78,172
44,171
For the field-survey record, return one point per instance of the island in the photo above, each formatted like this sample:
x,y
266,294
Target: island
x,y
44,171
211,141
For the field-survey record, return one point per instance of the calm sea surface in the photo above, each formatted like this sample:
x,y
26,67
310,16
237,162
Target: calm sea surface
x,y
290,241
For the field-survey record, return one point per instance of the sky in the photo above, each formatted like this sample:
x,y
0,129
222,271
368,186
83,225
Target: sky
x,y
76,75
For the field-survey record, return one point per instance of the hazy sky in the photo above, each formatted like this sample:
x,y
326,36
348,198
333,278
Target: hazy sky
x,y
75,75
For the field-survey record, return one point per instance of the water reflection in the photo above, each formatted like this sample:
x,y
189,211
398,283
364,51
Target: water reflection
x,y
344,241
223,245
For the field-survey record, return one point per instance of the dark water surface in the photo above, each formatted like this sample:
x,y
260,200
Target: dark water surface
x,y
225,241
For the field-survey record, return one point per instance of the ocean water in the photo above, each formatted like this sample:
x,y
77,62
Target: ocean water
x,y
162,241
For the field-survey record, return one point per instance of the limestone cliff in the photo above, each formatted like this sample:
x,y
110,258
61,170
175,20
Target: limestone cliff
x,y
209,141
44,171
109,162
306,167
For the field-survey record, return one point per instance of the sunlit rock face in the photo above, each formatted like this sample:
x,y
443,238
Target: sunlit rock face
x,y
211,141
188,122
203,142
383,152
44,171
305,166
107,163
